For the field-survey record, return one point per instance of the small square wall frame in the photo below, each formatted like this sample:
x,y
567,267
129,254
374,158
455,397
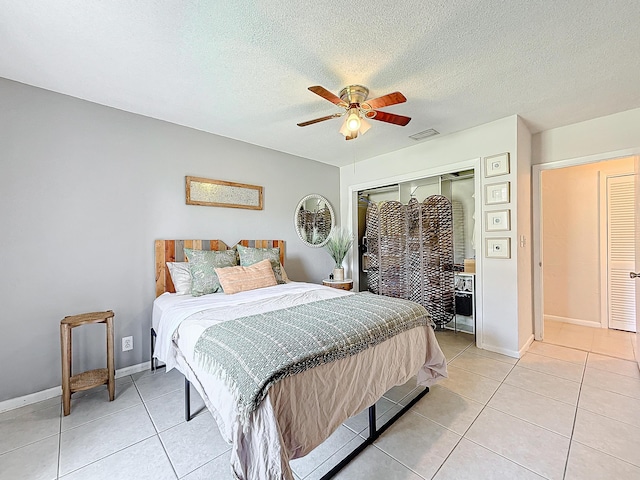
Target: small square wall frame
x,y
498,247
496,193
497,221
496,165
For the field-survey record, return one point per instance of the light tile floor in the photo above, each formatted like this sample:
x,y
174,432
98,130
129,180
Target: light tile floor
x,y
557,413
615,343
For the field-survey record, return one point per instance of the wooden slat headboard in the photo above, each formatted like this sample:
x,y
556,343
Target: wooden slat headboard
x,y
173,251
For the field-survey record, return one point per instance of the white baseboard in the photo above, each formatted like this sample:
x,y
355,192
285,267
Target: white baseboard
x,y
510,353
502,351
36,397
526,346
574,321
29,399
141,367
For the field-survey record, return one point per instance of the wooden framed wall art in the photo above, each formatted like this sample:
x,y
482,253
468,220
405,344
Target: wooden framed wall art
x,y
218,193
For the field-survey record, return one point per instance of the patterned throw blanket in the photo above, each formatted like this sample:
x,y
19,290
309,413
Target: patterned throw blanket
x,y
252,353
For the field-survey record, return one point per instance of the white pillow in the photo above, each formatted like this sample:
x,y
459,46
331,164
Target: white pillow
x,y
180,276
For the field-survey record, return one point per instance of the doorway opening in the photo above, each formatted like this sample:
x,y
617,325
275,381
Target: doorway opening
x,y
585,298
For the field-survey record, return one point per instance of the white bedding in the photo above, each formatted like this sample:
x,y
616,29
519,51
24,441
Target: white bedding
x,y
303,410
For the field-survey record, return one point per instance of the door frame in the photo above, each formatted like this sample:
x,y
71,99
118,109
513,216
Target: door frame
x,y
538,267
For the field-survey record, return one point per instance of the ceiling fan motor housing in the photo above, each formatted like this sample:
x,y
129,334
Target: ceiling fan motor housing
x,y
354,94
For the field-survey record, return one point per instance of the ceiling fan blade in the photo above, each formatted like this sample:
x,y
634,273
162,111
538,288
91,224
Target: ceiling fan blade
x,y
385,101
321,119
391,118
327,95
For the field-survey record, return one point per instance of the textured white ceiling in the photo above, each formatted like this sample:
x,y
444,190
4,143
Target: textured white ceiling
x,y
241,68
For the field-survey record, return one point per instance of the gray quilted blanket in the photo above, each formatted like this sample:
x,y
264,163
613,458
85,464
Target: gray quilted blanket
x,y
252,353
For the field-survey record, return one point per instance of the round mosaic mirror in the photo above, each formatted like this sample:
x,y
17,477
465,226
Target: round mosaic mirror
x,y
314,219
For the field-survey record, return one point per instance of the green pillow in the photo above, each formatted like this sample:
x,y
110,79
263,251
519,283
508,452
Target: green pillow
x,y
249,256
202,265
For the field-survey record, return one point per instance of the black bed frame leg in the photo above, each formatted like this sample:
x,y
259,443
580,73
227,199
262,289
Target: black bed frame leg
x,y
154,361
153,344
187,399
373,434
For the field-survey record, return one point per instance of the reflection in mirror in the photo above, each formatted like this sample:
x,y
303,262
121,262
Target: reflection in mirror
x,y
314,219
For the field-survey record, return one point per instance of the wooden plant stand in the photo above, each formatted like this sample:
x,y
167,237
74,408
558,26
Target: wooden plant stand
x,y
92,378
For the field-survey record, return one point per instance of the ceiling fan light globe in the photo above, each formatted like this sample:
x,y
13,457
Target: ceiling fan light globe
x,y
353,120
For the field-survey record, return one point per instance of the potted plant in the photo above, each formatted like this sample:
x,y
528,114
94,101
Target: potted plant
x,y
338,244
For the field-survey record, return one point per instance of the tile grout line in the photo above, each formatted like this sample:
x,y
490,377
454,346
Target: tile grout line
x,y
584,368
397,461
29,444
601,415
551,374
600,369
471,424
611,391
484,356
590,350
507,459
484,376
612,418
103,458
530,423
582,384
554,358
28,412
356,436
164,449
542,394
575,416
102,417
486,405
608,454
205,463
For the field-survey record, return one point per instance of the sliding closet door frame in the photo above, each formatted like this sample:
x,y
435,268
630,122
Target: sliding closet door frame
x,y
353,259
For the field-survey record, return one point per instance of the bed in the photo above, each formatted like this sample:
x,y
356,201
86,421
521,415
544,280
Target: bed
x,y
299,411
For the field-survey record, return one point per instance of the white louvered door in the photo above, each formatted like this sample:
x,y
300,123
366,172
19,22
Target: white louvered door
x,y
621,252
636,169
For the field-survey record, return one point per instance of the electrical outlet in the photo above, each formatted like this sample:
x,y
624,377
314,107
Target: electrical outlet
x,y
127,344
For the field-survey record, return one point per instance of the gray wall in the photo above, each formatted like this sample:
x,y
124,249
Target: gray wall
x,y
84,192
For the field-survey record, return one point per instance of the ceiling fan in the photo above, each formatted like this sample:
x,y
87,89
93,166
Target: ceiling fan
x,y
353,99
